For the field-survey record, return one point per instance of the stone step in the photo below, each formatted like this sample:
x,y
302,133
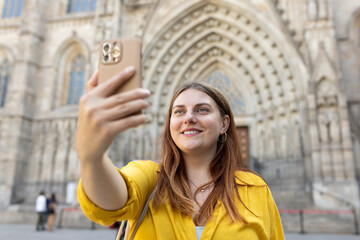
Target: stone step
x,y
314,219
293,200
339,221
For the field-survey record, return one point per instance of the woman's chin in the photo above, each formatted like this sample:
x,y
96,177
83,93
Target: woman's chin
x,y
190,148
194,149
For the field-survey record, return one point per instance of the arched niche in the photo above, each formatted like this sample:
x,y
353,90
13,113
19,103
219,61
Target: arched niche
x,y
247,43
63,62
205,36
6,68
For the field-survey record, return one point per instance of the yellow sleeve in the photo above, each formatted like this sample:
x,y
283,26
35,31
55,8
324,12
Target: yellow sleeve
x,y
140,177
276,229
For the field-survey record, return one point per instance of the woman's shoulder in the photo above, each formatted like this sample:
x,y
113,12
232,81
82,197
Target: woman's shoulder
x,y
145,166
144,163
249,178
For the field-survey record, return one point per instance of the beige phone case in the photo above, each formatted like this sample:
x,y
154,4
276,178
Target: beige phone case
x,y
116,55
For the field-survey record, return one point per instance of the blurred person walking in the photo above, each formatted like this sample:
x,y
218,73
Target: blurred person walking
x,y
40,208
51,211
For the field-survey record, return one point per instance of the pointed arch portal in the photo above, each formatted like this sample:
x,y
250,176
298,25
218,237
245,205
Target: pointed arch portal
x,y
238,50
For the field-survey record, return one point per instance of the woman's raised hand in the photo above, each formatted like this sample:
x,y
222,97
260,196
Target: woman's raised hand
x,y
103,114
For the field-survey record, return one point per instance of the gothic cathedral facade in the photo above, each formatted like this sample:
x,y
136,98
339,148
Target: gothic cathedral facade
x,y
289,68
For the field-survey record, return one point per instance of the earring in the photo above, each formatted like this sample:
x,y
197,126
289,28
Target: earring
x,y
222,138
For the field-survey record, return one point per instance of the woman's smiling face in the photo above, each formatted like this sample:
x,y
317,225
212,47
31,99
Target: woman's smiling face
x,y
196,122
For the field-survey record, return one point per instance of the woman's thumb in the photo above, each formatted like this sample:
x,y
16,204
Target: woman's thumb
x,y
93,82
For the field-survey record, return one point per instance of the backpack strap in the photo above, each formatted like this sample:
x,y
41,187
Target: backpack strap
x,y
143,213
118,235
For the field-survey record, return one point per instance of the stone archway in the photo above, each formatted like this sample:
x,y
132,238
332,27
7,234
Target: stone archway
x,y
234,38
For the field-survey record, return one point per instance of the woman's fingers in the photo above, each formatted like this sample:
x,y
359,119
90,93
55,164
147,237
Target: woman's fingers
x,y
103,114
128,122
111,85
124,97
124,110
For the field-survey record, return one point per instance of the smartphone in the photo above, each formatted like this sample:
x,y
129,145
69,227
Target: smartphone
x,y
117,54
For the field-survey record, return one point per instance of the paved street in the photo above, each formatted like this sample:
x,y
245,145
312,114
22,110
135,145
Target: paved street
x,y
320,237
21,232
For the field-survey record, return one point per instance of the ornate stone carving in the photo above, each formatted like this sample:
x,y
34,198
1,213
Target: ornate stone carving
x,y
230,91
137,3
215,38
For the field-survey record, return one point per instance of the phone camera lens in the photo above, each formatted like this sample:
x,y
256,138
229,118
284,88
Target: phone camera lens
x,y
106,47
106,58
116,52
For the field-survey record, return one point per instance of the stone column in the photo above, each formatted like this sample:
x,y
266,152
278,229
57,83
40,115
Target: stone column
x,y
21,100
333,174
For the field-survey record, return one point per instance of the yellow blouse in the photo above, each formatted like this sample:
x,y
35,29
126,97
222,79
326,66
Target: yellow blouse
x,y
165,223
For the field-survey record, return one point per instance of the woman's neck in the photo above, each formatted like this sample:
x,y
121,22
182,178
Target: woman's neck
x,y
198,168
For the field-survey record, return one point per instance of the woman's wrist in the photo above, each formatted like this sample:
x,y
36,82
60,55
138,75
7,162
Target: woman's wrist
x,y
92,162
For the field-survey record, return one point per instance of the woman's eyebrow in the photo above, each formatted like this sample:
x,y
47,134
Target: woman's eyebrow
x,y
197,105
176,106
201,104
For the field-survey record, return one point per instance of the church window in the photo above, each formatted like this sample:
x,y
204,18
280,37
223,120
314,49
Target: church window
x,y
75,6
76,80
12,8
4,80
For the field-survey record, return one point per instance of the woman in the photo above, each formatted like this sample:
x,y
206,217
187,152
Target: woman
x,y
202,190
51,211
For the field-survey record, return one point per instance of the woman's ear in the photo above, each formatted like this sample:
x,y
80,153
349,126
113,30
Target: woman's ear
x,y
225,124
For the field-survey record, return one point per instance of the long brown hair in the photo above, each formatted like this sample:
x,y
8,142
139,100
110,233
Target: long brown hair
x,y
173,184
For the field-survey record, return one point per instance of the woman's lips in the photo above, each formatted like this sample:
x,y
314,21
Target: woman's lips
x,y
191,132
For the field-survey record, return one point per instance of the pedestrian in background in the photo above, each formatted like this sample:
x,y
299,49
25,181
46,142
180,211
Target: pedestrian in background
x,y
40,208
51,211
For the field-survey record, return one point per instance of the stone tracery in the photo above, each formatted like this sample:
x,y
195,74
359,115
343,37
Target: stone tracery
x,y
212,22
211,35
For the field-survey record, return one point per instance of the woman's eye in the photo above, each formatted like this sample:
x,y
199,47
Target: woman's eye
x,y
178,111
203,110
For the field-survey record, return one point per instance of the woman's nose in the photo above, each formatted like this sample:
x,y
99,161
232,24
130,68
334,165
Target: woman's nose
x,y
189,117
